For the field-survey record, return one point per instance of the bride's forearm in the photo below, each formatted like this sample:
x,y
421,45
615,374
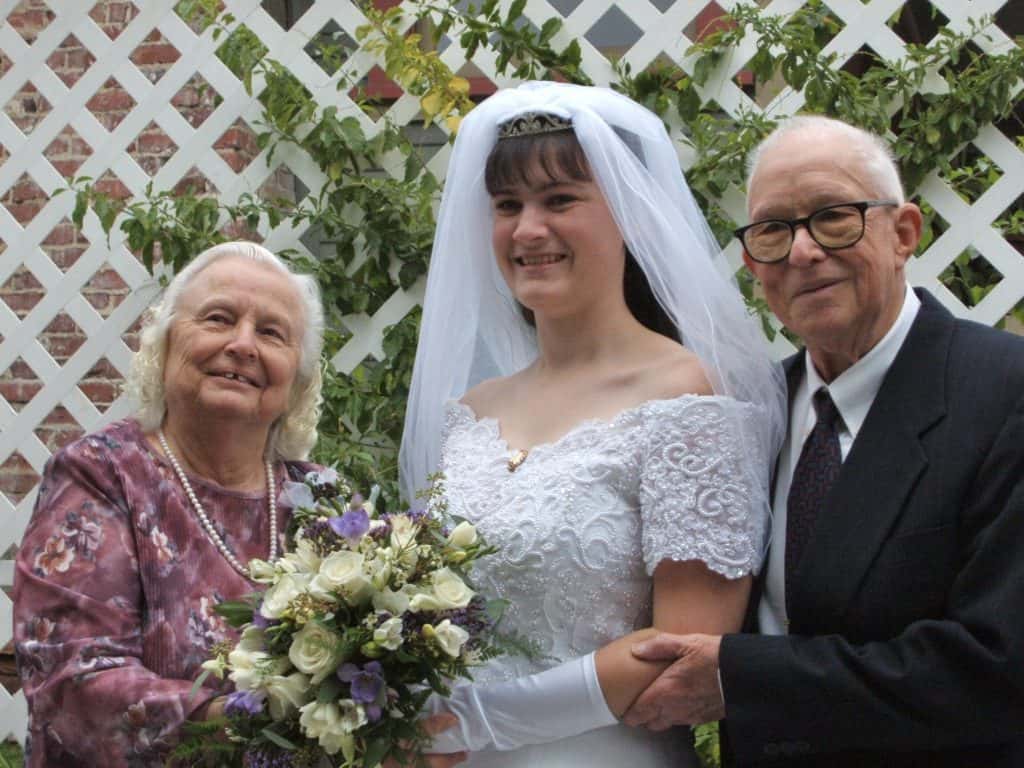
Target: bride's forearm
x,y
624,677
688,597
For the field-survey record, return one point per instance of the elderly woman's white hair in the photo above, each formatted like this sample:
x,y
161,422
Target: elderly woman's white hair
x,y
293,435
875,153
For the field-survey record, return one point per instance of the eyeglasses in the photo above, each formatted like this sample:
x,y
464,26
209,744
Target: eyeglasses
x,y
832,227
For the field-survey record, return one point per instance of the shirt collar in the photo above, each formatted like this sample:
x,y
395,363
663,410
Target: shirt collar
x,y
853,391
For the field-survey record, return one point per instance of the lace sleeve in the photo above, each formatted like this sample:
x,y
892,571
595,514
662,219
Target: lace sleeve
x,y
704,485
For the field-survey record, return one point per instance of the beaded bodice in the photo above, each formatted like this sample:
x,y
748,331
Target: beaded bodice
x,y
582,523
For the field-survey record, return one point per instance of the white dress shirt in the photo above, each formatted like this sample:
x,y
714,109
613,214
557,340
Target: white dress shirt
x,y
853,391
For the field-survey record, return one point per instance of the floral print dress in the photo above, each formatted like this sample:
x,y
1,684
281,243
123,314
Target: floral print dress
x,y
114,593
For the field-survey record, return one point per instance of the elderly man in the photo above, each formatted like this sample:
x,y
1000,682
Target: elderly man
x,y
889,607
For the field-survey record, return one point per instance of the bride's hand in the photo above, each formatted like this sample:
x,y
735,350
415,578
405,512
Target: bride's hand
x,y
433,725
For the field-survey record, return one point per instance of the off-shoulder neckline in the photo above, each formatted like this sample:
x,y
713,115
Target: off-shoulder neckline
x,y
494,425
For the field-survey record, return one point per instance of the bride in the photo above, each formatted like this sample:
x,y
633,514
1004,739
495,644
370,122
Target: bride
x,y
603,409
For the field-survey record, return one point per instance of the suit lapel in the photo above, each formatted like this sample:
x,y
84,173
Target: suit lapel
x,y
878,475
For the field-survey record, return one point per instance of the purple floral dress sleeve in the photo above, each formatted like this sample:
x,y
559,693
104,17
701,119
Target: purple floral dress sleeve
x,y
115,588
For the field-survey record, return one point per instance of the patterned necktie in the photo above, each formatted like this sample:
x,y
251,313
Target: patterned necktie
x,y
814,475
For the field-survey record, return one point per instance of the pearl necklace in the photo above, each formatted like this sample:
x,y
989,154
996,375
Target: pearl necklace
x,y
205,520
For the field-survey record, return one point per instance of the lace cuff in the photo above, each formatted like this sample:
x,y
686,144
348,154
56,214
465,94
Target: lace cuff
x,y
704,485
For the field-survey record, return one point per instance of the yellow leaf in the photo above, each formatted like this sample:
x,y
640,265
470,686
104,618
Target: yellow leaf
x,y
459,85
453,122
431,103
408,76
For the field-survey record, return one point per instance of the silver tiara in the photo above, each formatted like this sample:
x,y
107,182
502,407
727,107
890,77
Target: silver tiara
x,y
532,123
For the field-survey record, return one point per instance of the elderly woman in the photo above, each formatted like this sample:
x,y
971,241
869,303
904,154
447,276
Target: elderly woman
x,y
141,528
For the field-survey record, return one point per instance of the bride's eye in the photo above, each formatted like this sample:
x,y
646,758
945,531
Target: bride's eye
x,y
561,200
506,205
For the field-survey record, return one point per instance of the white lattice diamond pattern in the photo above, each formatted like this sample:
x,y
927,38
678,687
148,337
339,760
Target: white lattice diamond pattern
x,y
662,34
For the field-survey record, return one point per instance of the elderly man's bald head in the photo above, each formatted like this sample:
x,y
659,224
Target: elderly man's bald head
x,y
873,154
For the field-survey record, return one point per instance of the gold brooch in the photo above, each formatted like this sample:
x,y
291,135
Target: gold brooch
x,y
517,459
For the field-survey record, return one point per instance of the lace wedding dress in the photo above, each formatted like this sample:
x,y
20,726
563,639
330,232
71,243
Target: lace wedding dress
x,y
581,525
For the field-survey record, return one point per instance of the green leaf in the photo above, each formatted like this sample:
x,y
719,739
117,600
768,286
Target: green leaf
x,y
329,690
278,739
549,29
236,612
515,11
199,682
376,751
81,206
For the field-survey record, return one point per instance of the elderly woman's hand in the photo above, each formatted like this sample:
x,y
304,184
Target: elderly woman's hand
x,y
211,710
434,724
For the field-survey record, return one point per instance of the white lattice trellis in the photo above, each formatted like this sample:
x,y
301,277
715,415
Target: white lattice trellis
x,y
661,33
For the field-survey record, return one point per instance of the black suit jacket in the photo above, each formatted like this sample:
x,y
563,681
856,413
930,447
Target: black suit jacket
x,y
906,644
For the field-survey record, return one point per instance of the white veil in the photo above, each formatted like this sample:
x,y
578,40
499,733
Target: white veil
x,y
472,329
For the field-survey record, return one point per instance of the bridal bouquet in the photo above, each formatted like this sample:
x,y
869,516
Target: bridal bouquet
x,y
362,619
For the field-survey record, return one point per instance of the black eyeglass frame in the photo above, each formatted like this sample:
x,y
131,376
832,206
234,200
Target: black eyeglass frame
x,y
861,206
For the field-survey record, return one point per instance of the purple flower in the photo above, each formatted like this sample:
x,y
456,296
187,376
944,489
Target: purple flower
x,y
243,702
295,495
353,525
266,757
367,685
261,621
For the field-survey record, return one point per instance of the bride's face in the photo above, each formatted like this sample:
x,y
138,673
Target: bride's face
x,y
557,245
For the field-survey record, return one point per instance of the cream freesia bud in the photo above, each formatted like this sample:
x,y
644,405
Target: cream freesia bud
x,y
261,571
217,667
450,637
464,535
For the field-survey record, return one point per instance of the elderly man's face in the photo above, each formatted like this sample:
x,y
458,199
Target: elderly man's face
x,y
233,348
842,301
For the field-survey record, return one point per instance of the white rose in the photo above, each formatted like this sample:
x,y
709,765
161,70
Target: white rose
x,y
342,572
395,603
315,650
463,536
288,587
450,637
304,558
323,722
286,694
448,591
389,634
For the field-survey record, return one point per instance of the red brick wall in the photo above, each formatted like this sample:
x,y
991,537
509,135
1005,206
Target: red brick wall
x,y
151,149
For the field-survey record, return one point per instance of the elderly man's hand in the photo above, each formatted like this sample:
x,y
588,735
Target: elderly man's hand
x,y
432,725
688,691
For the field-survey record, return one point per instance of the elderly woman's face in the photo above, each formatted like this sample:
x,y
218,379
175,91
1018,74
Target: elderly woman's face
x,y
233,347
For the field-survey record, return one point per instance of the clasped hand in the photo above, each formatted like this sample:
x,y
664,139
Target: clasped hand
x,y
688,691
